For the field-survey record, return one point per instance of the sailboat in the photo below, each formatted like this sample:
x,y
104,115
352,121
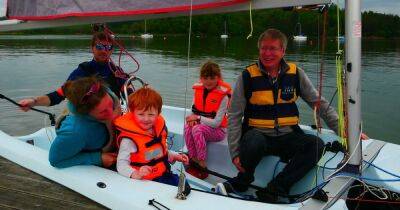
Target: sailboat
x,y
300,37
146,35
225,35
117,192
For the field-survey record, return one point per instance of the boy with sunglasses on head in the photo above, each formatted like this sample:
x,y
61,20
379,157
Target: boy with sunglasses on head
x,y
142,141
101,66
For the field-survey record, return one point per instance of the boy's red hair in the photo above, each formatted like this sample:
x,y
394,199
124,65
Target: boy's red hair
x,y
144,99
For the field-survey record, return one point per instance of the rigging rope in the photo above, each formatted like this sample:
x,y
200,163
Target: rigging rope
x,y
182,178
122,49
340,83
251,22
322,66
188,57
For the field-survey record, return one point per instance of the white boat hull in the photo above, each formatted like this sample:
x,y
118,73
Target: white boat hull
x,y
146,36
300,38
123,193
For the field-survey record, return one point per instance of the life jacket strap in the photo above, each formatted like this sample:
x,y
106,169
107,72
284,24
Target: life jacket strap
x,y
152,162
155,140
204,114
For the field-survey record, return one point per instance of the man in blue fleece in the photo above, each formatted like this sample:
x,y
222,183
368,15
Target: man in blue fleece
x,y
100,66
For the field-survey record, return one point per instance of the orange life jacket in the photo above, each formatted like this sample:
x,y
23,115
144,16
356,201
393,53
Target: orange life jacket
x,y
209,106
151,150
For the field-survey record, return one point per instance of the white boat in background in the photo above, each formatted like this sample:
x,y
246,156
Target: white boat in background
x,y
146,35
341,39
117,192
300,37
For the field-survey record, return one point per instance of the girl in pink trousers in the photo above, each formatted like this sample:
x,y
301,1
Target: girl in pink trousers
x,y
208,120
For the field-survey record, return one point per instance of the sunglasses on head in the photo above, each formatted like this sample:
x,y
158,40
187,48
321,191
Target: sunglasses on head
x,y
107,47
93,90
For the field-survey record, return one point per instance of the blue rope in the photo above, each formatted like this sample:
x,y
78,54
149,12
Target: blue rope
x,y
367,178
377,167
311,192
324,167
276,165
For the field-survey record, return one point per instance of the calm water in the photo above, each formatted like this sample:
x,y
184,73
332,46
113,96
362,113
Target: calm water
x,y
33,65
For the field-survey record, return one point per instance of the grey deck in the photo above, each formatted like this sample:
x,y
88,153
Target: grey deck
x,y
24,189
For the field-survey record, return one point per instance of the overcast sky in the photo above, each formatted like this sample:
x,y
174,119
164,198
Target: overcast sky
x,y
382,6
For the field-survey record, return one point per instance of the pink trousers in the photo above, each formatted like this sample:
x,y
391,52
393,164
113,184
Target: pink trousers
x,y
196,138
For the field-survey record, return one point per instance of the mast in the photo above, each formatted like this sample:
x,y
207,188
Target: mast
x,y
145,26
225,26
353,74
299,28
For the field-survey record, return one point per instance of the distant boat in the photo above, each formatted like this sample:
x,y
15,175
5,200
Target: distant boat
x,y
225,35
300,37
341,39
146,35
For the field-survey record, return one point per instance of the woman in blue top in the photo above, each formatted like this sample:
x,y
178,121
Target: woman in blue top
x,y
84,136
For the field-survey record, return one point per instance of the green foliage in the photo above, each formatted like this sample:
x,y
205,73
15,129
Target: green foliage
x,y
238,24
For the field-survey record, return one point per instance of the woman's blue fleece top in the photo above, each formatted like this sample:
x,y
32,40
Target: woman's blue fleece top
x,y
79,140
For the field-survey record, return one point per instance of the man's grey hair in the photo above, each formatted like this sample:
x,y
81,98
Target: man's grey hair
x,y
273,34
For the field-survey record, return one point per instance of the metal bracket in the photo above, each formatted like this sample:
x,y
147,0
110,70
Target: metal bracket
x,y
348,67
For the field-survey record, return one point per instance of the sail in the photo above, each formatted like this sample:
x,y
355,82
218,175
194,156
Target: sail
x,y
53,13
54,9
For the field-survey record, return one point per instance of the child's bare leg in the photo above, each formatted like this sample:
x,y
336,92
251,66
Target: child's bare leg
x,y
195,160
202,163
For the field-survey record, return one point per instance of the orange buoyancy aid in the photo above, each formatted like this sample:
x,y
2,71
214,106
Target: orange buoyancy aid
x,y
209,105
151,149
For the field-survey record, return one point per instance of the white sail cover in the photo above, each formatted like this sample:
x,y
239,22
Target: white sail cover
x,y
54,9
31,14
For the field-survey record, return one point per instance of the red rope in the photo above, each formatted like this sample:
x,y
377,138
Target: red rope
x,y
122,50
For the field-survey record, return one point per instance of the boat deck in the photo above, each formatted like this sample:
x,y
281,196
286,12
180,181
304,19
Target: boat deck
x,y
23,189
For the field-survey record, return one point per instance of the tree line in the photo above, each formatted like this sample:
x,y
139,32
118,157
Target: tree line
x,y
238,24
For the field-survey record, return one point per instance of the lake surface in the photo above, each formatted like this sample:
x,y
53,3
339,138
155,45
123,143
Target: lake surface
x,y
35,65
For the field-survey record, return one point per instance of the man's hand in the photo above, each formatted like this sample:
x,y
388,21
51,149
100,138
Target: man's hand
x,y
236,162
27,104
364,136
108,158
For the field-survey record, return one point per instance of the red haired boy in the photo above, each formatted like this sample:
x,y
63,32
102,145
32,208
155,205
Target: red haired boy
x,y
142,140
